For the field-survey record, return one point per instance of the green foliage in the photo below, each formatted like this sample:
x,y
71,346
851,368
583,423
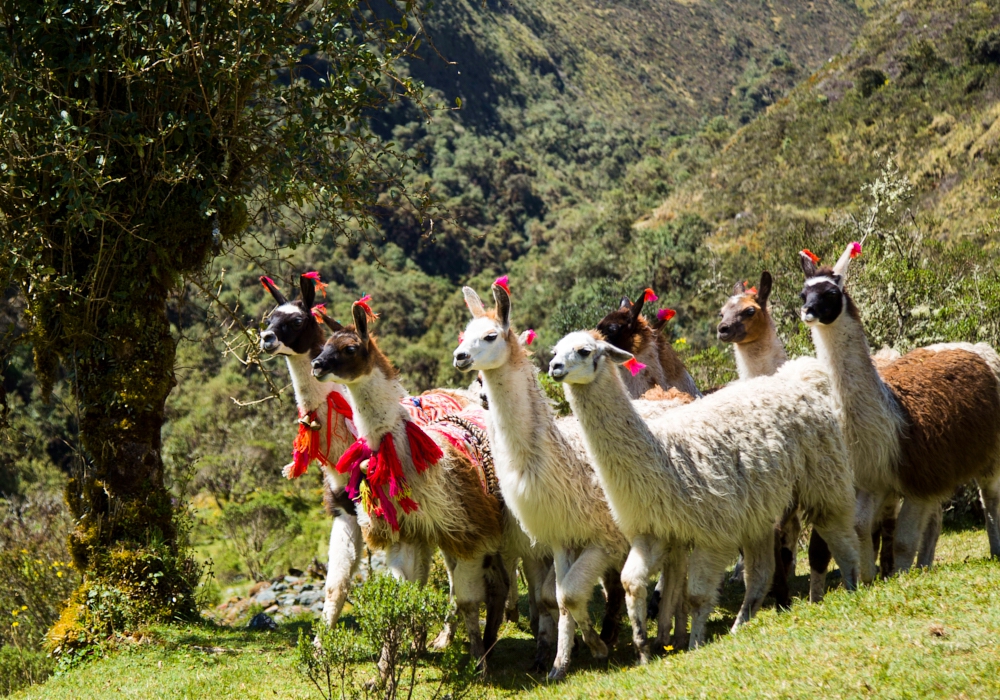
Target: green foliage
x,y
258,529
394,620
868,80
21,667
555,393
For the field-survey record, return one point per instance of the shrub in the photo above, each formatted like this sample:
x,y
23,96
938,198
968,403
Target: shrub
x,y
20,668
394,620
258,529
868,80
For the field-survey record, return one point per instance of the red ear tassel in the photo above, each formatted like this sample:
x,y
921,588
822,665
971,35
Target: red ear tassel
x,y
363,303
318,311
649,295
503,282
634,366
855,249
265,280
529,336
811,255
314,276
665,314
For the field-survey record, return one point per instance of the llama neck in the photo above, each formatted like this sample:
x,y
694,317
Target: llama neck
x,y
519,414
620,443
310,393
761,357
377,410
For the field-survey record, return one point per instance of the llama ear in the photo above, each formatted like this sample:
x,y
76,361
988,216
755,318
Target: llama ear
x,y
840,269
739,289
308,287
637,307
275,292
360,323
808,264
331,323
617,355
764,289
626,303
474,303
503,306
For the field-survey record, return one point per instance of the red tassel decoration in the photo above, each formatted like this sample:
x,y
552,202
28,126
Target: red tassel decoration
x,y
314,276
634,366
363,303
503,282
855,249
649,295
423,450
665,314
811,255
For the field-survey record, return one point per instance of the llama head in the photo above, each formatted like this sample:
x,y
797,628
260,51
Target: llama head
x,y
578,357
350,353
625,327
291,327
488,340
744,316
823,296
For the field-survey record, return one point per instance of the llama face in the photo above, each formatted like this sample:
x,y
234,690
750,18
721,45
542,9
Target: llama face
x,y
621,326
744,316
350,354
823,298
291,328
576,359
483,346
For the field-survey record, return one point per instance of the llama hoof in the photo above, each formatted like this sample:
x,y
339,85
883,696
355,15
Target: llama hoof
x,y
609,635
599,650
557,674
644,657
442,641
541,661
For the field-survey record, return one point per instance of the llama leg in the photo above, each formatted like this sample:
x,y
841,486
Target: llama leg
x,y
867,507
842,540
536,572
673,605
706,569
511,611
989,493
470,593
910,525
819,562
614,600
447,633
497,587
887,533
645,557
342,562
406,561
758,557
929,539
575,579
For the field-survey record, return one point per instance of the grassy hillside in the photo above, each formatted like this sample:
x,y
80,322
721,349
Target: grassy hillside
x,y
920,85
921,635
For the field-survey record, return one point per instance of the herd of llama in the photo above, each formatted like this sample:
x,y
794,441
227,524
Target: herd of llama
x,y
649,488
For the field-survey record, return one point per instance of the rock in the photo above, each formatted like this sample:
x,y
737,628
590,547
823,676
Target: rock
x,y
279,587
308,597
292,571
273,609
293,580
317,607
262,621
266,597
317,569
258,587
286,599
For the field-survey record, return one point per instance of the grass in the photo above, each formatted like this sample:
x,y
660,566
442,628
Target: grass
x,y
923,634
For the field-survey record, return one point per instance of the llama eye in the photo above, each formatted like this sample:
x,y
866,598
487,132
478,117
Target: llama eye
x,y
584,352
490,338
351,349
613,329
749,312
297,323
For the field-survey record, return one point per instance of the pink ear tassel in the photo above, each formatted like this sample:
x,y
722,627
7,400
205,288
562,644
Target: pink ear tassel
x,y
363,303
855,249
529,336
649,295
314,276
461,337
319,311
665,314
265,280
634,366
503,282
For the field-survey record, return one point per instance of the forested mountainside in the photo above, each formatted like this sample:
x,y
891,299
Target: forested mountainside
x,y
723,128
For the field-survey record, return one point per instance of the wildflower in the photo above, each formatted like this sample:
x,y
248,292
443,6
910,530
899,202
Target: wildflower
x,y
24,607
59,574
15,613
15,624
669,647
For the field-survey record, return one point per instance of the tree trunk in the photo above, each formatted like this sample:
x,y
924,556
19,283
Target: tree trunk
x,y
126,540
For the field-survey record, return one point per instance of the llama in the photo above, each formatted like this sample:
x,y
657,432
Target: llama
x,y
629,330
293,332
930,423
418,487
718,472
544,476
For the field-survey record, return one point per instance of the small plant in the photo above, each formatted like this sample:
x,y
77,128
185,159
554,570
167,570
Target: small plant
x,y
394,619
259,529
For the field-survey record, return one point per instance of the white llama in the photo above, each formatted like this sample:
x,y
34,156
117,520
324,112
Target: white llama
x,y
928,424
718,472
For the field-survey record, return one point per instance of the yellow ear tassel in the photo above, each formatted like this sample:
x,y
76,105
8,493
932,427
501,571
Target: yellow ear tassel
x,y
366,496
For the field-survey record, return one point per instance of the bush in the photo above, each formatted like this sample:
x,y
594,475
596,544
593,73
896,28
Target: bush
x,y
258,529
394,620
868,80
20,668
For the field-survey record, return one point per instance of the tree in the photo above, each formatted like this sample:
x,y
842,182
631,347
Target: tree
x,y
138,138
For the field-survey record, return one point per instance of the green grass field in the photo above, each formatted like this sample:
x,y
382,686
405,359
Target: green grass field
x,y
927,634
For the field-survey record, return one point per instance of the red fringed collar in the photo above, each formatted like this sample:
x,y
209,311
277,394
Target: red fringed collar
x,y
385,470
306,447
